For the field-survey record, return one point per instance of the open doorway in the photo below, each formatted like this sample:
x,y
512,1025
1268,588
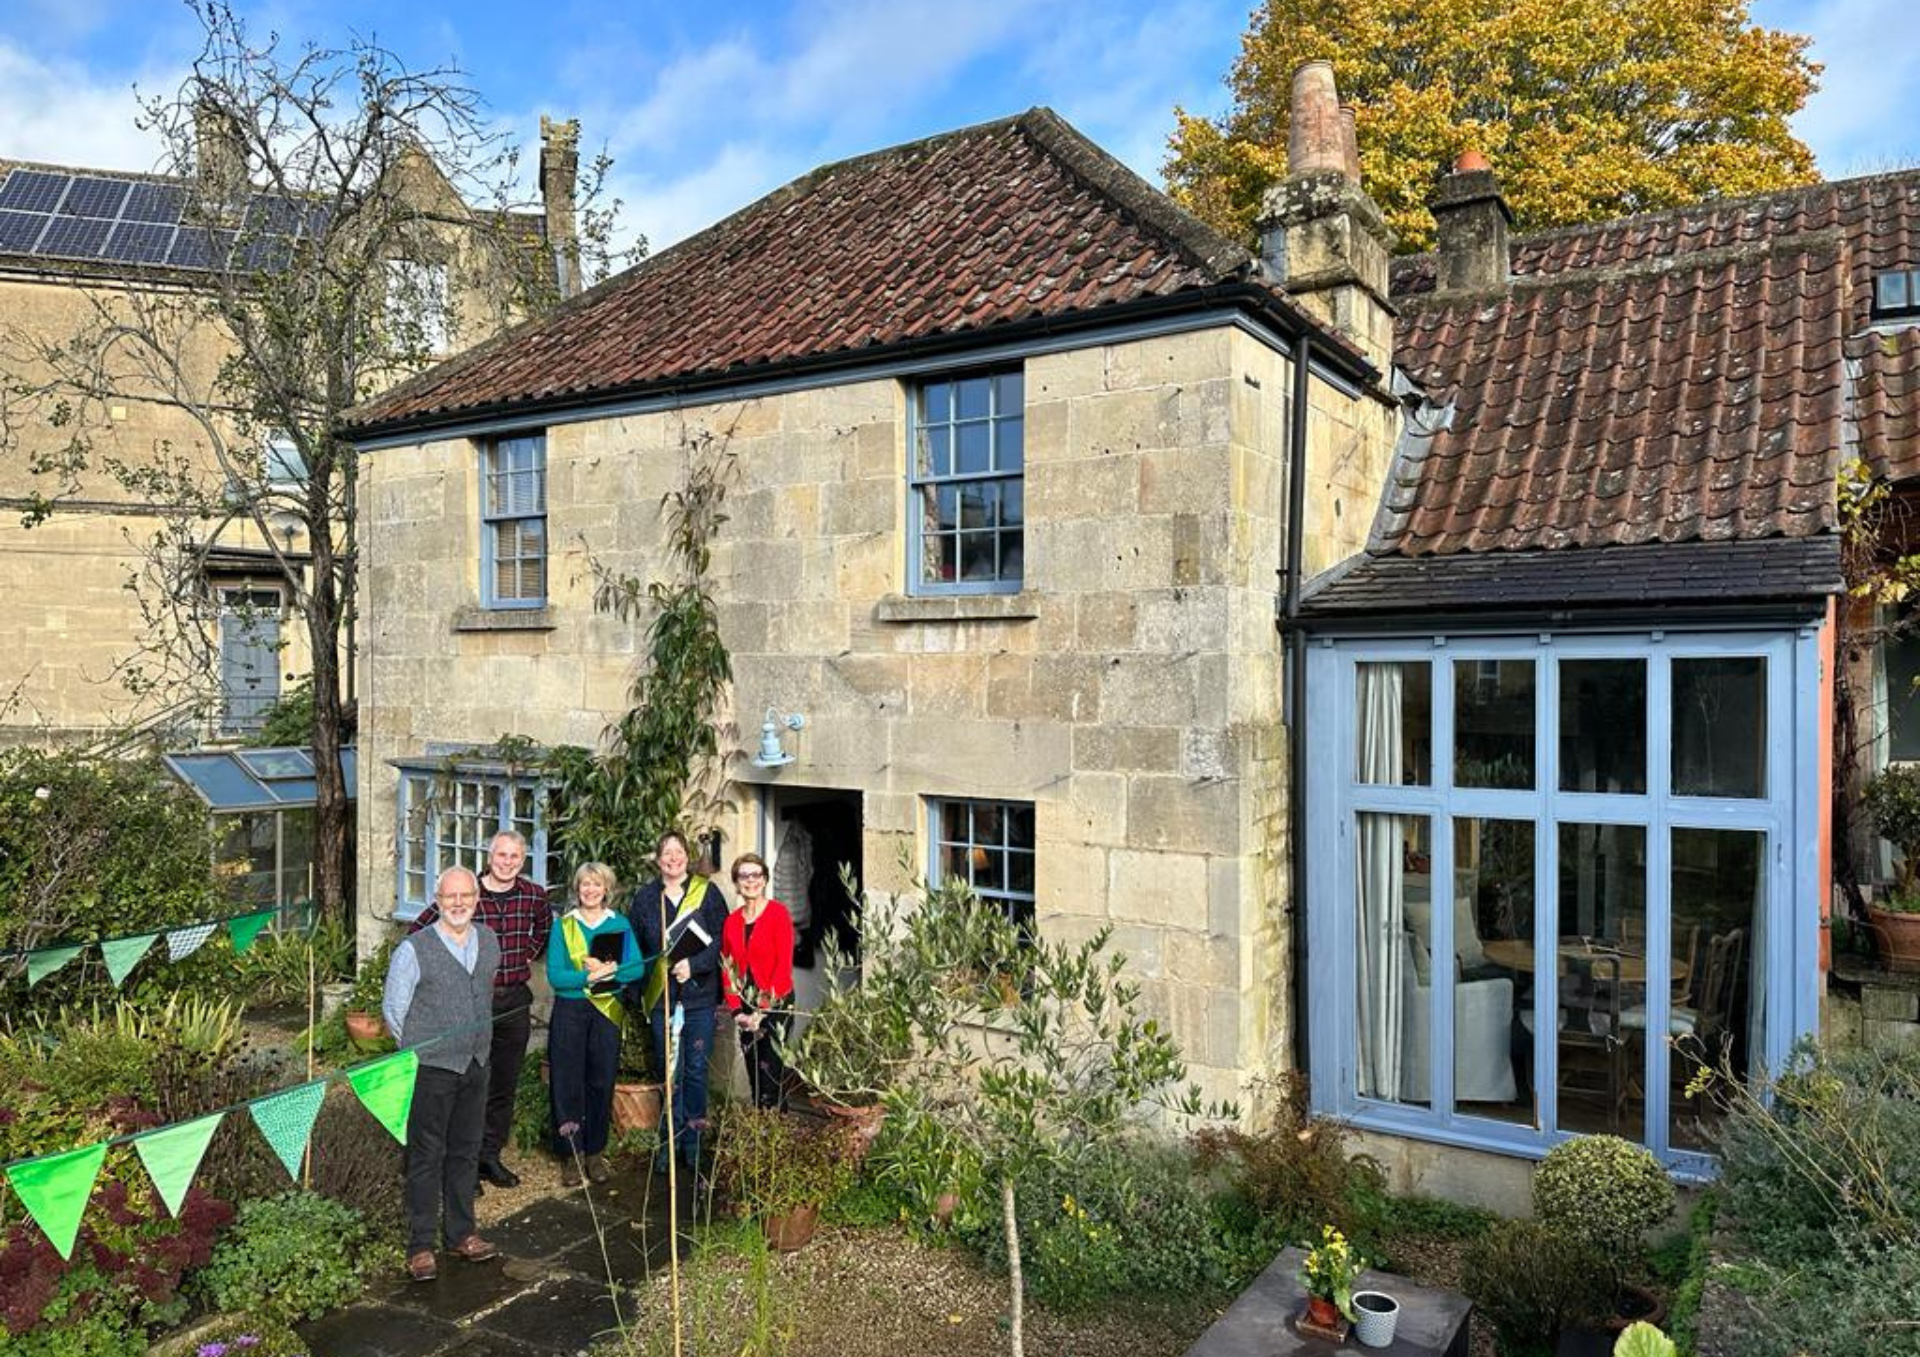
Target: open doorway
x,y
810,834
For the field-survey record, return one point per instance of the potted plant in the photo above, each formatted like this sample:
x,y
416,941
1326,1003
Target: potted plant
x,y
1893,800
1605,1193
364,1023
851,1050
1331,1268
636,1093
781,1169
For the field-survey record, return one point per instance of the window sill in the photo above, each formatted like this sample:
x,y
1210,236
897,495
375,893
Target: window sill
x,y
1019,607
503,619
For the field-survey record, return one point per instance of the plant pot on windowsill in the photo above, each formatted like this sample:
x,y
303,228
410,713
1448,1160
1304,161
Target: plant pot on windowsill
x,y
365,1028
1898,932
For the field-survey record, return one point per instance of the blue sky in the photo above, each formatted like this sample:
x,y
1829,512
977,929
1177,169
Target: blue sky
x,y
706,106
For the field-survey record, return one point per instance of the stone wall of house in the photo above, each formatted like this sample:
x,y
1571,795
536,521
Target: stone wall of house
x,y
1131,692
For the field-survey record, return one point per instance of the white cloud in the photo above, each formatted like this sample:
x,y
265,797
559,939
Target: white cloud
x,y
61,112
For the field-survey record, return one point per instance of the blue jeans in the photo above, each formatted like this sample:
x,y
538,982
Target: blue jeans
x,y
689,1077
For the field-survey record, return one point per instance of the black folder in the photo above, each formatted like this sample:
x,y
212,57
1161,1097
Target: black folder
x,y
607,947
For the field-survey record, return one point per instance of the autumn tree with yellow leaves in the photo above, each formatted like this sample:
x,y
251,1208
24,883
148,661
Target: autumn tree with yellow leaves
x,y
1589,109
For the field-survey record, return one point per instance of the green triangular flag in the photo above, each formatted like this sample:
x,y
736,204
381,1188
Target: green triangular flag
x,y
385,1088
47,960
55,1189
172,1156
286,1120
123,954
243,931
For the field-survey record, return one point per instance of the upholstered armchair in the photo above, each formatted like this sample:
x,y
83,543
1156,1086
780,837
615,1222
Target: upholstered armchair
x,y
1482,1035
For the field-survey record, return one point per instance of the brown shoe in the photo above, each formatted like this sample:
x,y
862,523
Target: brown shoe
x,y
569,1172
422,1267
476,1250
597,1169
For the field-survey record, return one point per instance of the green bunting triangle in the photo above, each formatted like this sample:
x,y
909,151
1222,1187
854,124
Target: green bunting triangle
x,y
123,954
172,1157
286,1120
385,1088
47,960
54,1189
244,930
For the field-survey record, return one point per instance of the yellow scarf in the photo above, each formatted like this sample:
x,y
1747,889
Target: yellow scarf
x,y
575,936
657,977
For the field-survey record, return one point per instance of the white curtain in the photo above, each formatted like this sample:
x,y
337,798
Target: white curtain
x,y
1380,887
1757,967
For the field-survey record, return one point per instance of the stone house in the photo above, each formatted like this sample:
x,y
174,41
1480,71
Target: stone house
x,y
75,242
1300,617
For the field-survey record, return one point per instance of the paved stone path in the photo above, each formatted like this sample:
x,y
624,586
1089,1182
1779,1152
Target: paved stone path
x,y
546,1296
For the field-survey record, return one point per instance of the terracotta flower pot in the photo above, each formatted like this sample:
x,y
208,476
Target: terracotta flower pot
x,y
791,1230
944,1206
636,1106
365,1026
1322,1312
1899,936
862,1123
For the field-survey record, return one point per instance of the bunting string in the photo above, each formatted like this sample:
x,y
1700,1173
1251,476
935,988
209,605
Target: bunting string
x,y
122,952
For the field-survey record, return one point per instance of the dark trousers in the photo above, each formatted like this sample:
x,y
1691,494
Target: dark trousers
x,y
509,1053
444,1129
689,1076
583,1056
766,1071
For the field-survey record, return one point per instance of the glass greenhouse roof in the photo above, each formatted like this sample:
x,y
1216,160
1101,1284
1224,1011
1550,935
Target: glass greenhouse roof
x,y
234,780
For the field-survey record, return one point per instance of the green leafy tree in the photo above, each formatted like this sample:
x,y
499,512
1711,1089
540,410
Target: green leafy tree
x,y
1028,1054
1590,109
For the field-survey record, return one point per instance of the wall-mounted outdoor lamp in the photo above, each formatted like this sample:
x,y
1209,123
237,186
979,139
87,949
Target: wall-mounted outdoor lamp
x,y
772,754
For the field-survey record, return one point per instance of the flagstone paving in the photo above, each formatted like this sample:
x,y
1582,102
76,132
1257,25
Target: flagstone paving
x,y
546,1296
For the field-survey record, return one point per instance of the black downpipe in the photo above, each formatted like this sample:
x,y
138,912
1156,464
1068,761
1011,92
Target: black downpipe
x,y
1295,642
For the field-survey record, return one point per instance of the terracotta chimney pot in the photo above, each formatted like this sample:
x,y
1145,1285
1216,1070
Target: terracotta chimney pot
x,y
1350,142
1315,142
1471,160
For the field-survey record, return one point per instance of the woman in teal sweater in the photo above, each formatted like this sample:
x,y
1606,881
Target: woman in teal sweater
x,y
591,955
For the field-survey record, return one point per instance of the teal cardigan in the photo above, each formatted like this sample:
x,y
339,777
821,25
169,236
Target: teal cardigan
x,y
569,981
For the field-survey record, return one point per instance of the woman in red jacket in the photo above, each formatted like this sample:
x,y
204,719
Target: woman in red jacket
x,y
756,950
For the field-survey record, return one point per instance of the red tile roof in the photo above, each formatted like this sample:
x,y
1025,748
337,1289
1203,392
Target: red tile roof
x,y
1018,220
1694,375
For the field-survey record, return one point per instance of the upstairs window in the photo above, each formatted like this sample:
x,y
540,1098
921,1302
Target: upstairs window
x,y
417,307
513,527
968,504
1896,294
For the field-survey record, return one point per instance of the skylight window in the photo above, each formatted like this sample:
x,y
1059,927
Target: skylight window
x,y
1896,292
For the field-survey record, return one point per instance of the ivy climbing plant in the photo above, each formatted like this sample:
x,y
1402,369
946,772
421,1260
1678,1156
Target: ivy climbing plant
x,y
659,766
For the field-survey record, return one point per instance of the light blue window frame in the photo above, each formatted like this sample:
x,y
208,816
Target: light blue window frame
x,y
1789,816
1003,480
513,512
418,861
1019,904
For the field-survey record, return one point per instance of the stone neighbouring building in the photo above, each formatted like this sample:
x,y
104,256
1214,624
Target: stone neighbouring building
x,y
71,242
1122,685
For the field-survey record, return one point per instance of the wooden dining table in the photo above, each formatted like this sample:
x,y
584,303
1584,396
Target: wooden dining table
x,y
1516,954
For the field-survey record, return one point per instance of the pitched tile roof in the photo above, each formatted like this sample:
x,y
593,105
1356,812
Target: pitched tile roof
x,y
1692,375
1017,220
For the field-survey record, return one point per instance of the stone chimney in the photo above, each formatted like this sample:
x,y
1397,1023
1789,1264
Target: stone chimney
x,y
1321,236
1473,222
219,152
559,179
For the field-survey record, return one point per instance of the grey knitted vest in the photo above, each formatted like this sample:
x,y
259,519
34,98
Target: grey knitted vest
x,y
451,1004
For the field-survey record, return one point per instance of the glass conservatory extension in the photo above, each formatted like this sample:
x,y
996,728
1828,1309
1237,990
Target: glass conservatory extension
x,y
1556,877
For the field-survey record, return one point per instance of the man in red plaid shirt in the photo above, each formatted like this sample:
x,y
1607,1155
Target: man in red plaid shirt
x,y
517,911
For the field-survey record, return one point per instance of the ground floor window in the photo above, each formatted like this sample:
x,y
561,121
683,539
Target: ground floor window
x,y
1554,877
989,845
447,819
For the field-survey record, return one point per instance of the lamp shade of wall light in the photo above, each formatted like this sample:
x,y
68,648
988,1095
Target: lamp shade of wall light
x,y
772,754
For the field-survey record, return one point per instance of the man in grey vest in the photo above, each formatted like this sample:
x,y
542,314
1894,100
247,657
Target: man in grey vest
x,y
439,1001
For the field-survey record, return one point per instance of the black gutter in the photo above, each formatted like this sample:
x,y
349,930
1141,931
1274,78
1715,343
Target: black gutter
x,y
1258,301
1641,615
1294,641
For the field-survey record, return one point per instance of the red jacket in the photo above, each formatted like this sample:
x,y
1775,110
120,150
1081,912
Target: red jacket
x,y
768,964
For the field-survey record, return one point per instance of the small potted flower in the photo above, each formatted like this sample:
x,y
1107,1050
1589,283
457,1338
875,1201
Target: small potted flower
x,y
1329,1273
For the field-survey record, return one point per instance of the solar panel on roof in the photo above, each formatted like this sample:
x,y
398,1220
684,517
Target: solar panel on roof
x,y
139,242
32,191
154,203
93,197
74,237
273,213
196,247
18,230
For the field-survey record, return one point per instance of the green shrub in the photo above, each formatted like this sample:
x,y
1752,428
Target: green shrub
x,y
1690,1284
1528,1282
290,1257
770,1163
82,1319
1892,799
1604,1192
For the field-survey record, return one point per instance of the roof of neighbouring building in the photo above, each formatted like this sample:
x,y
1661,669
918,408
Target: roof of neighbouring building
x,y
1691,376
941,240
